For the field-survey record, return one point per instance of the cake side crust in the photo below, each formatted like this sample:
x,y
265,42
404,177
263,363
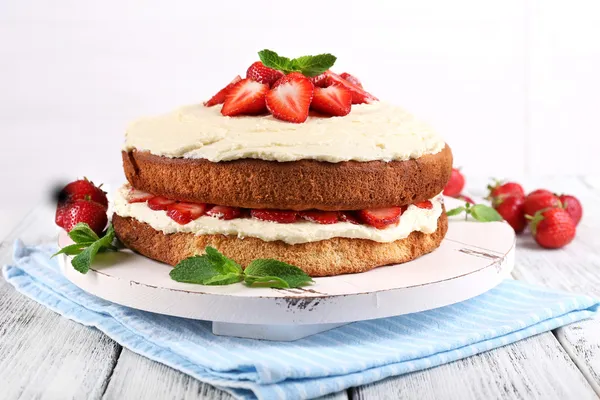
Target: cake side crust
x,y
296,185
334,256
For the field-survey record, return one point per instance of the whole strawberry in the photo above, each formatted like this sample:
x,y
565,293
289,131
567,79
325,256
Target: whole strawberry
x,y
512,210
90,212
507,189
538,191
82,189
456,183
572,206
553,228
539,201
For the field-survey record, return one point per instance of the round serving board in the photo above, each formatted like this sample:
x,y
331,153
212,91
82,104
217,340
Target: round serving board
x,y
473,258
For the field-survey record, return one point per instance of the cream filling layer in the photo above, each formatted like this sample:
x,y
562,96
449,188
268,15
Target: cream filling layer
x,y
377,131
413,219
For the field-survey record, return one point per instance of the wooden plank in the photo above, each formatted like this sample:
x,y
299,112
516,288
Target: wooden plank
x,y
136,377
43,355
574,268
535,368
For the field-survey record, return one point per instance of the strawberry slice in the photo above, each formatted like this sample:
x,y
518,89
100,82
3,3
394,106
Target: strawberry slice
x,y
333,100
290,99
225,212
219,98
183,213
319,80
159,203
380,217
280,216
320,217
427,205
245,97
138,196
351,79
359,96
349,216
260,73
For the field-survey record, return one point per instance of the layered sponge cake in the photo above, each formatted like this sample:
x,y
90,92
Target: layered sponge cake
x,y
330,195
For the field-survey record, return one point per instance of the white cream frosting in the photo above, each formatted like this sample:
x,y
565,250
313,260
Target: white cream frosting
x,y
413,219
377,131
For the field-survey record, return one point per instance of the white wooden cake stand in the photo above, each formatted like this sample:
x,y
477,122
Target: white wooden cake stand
x,y
473,258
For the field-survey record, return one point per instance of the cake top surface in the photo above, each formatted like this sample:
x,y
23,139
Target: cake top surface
x,y
369,132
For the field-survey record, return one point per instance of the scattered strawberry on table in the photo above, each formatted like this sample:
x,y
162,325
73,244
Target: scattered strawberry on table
x,y
82,201
552,219
289,89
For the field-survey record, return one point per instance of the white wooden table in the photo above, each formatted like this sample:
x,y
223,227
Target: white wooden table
x,y
45,356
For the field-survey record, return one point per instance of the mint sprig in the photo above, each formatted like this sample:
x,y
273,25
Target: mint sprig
x,y
213,268
479,212
87,245
307,65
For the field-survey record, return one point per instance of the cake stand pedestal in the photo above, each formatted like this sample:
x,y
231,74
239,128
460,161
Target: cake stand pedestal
x,y
473,258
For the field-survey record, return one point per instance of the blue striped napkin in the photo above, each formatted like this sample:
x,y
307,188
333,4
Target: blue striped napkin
x,y
328,362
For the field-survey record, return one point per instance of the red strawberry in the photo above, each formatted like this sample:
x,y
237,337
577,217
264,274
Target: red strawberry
x,y
456,183
465,198
138,196
183,213
260,73
333,100
281,216
538,191
349,216
160,203
351,79
225,212
60,212
219,98
290,100
540,201
427,205
320,217
359,96
380,217
553,228
90,212
82,189
319,80
512,209
245,97
572,206
505,190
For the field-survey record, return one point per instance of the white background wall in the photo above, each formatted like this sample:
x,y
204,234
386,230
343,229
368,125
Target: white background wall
x,y
513,85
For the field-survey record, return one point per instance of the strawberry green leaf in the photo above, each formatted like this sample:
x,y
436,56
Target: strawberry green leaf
x,y
313,65
272,60
484,213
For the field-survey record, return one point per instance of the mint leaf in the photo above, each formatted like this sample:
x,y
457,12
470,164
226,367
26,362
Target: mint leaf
x,y
73,249
266,281
212,268
83,260
264,270
455,211
484,213
82,233
275,61
226,279
227,265
313,65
